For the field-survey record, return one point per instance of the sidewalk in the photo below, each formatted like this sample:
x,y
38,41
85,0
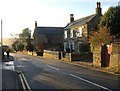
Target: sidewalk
x,y
9,79
89,64
111,70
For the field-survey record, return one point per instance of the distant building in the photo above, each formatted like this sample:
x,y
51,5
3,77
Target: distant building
x,y
77,32
48,38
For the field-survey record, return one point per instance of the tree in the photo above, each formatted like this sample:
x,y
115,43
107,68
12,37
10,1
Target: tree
x,y
29,45
100,37
20,46
15,45
24,41
26,33
25,37
111,19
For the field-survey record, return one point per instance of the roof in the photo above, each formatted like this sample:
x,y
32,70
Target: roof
x,y
50,30
80,21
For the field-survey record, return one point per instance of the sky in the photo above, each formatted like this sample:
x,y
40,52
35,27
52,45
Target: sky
x,y
20,14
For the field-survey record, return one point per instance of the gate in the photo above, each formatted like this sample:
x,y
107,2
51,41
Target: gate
x,y
105,56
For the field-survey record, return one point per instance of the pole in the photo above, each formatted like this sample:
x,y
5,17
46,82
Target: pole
x,y
1,35
2,55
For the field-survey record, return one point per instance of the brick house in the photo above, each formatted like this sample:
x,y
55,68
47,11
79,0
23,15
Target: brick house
x,y
76,33
48,38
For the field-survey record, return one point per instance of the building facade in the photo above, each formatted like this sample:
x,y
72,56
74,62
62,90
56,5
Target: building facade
x,y
47,38
77,32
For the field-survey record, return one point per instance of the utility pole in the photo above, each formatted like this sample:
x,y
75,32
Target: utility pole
x,y
1,50
1,35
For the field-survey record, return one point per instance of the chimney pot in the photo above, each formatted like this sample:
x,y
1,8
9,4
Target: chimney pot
x,y
35,23
71,17
98,9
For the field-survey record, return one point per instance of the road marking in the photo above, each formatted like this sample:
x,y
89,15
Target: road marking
x,y
24,82
53,67
89,82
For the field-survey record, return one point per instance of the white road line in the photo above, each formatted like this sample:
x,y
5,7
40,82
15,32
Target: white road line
x,y
90,82
53,67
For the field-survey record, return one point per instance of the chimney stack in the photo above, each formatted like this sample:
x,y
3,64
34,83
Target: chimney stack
x,y
71,18
35,24
98,9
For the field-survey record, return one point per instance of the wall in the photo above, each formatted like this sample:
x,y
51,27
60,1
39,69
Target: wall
x,y
92,25
97,56
115,55
113,51
68,56
81,56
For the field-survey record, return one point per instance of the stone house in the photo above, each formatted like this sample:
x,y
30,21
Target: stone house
x,y
47,38
77,32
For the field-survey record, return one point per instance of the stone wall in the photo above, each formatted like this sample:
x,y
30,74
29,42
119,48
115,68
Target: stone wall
x,y
115,55
113,51
68,56
81,56
54,55
97,56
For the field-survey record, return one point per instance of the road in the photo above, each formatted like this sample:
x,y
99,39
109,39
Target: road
x,y
43,73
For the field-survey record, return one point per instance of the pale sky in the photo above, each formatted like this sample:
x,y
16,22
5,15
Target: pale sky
x,y
19,14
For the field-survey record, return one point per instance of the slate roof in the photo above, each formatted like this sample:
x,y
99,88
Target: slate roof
x,y
80,21
49,30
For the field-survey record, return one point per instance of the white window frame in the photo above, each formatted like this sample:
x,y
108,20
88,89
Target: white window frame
x,y
65,34
71,33
65,46
73,44
80,32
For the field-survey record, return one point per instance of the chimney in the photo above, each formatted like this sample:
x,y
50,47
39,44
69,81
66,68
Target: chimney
x,y
98,9
35,24
71,18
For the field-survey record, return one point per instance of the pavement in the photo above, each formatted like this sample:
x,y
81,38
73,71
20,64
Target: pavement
x,y
89,64
9,76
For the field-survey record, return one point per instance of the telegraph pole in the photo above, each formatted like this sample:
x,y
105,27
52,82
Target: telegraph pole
x,y
1,50
1,35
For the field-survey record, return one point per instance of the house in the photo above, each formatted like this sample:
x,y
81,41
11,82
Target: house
x,y
48,38
77,32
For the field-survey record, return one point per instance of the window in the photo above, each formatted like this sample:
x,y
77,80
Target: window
x,y
65,46
80,32
65,34
71,33
73,45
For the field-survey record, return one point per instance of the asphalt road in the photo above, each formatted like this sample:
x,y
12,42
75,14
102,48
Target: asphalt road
x,y
42,73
